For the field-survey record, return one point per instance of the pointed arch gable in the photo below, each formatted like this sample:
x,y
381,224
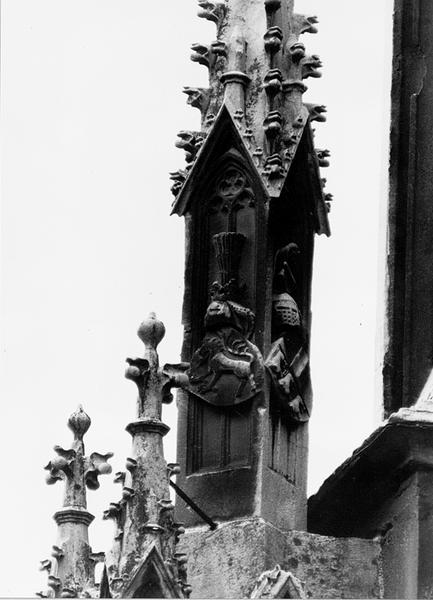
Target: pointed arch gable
x,y
222,139
152,579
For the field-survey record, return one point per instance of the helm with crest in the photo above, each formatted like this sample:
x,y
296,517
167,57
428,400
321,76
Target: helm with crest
x,y
224,312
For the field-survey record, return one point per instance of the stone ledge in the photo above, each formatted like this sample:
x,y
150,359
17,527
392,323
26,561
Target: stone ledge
x,y
377,468
226,562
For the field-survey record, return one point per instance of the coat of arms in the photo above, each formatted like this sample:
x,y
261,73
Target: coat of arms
x,y
227,368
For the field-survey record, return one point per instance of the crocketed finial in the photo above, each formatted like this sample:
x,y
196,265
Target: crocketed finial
x,y
151,331
79,422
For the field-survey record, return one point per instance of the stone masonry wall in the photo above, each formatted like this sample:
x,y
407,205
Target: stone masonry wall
x,y
225,563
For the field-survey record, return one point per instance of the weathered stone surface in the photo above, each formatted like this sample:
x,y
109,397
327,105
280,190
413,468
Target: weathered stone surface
x,y
408,357
226,563
385,490
144,561
256,68
72,568
277,583
334,567
242,443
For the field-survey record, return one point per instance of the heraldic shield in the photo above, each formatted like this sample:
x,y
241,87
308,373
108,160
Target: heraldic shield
x,y
227,368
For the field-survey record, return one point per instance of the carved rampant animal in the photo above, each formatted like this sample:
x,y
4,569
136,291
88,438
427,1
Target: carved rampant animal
x,y
220,363
226,369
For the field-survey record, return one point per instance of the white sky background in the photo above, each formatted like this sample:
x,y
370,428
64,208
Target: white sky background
x,y
90,107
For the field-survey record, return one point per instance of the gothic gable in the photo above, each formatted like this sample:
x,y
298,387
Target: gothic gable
x,y
152,579
223,138
226,144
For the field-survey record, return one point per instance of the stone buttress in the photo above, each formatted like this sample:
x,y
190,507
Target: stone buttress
x,y
252,197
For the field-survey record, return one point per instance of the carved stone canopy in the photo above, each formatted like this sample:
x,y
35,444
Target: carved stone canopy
x,y
224,139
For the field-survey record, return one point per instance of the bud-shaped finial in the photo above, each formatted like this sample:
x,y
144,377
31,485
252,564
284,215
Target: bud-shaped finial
x,y
151,331
79,422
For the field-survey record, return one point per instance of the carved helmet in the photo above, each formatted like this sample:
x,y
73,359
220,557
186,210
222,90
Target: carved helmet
x,y
225,312
286,310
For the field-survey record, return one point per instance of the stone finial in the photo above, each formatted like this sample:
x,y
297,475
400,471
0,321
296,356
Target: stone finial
x,y
70,571
154,384
151,331
72,466
144,515
79,422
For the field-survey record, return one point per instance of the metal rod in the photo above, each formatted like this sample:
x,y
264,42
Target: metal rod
x,y
194,506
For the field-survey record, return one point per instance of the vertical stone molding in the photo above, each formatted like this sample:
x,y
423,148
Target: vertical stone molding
x,y
409,322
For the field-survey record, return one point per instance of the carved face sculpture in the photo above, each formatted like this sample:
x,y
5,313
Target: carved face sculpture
x,y
286,311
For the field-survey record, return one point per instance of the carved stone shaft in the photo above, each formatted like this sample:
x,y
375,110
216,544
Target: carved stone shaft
x,y
145,523
72,568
